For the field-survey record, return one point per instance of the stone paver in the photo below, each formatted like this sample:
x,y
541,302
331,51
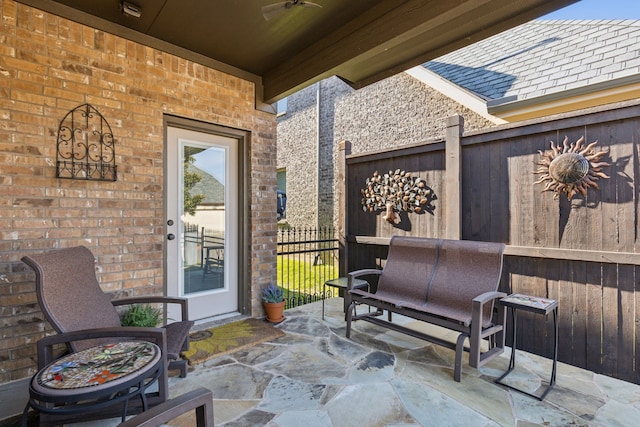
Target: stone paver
x,y
315,377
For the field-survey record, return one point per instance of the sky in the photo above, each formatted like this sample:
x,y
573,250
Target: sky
x,y
598,9
212,160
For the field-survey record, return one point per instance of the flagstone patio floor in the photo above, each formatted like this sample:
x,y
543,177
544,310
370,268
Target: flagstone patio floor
x,y
315,377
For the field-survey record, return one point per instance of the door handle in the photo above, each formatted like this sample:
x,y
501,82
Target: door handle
x,y
171,236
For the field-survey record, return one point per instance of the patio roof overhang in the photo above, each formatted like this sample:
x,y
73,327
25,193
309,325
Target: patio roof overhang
x,y
360,41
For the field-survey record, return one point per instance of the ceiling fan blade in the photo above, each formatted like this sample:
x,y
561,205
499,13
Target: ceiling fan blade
x,y
270,11
309,4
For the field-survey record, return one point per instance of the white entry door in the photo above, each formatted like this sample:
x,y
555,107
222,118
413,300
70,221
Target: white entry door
x,y
202,222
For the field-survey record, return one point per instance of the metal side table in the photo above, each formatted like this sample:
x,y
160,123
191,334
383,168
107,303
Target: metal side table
x,y
341,285
537,305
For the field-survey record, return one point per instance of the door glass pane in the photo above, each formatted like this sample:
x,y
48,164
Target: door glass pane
x,y
203,218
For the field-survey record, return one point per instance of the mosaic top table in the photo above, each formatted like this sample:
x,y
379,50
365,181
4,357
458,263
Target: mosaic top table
x,y
95,378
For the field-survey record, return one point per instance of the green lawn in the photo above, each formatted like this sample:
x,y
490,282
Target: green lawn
x,y
298,277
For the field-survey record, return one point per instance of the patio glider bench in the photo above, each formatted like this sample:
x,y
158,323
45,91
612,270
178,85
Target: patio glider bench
x,y
448,283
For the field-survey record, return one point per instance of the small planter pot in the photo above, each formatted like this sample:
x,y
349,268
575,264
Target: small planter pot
x,y
274,311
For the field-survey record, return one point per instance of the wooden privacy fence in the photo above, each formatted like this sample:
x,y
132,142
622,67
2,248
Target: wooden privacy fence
x,y
582,252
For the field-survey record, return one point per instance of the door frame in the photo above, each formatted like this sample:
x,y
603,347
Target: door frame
x,y
243,138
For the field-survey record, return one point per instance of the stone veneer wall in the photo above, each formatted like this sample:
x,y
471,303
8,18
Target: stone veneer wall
x,y
297,152
397,111
48,66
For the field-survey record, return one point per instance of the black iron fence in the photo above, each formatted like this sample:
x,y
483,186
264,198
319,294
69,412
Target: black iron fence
x,y
200,241
307,257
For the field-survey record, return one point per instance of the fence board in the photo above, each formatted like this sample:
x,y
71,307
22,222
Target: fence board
x,y
595,314
626,335
545,208
527,232
610,315
581,307
515,218
501,196
635,344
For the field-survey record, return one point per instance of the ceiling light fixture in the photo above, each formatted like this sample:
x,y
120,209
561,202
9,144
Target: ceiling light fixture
x,y
131,9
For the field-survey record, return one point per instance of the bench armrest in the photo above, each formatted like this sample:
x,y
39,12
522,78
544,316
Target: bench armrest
x,y
487,297
478,308
358,273
478,303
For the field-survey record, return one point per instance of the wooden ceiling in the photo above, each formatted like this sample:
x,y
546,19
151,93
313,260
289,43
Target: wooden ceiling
x,y
361,41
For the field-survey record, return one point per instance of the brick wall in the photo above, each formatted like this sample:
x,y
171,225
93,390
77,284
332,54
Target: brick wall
x,y
396,111
48,66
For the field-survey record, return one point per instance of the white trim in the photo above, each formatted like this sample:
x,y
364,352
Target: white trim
x,y
569,100
455,92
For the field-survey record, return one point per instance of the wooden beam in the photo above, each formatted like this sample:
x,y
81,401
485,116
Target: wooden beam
x,y
574,255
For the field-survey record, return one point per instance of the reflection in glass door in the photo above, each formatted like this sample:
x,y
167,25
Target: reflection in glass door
x,y
201,204
203,218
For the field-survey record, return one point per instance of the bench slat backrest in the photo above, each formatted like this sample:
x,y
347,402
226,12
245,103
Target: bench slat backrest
x,y
465,270
408,269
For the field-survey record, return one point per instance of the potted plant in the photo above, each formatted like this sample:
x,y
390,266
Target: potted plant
x,y
142,315
273,302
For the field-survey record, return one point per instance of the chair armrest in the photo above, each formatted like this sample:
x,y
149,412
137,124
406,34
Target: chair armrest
x,y
45,345
200,399
157,299
358,273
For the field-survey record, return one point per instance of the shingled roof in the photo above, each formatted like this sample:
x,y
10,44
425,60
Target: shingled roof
x,y
209,186
544,57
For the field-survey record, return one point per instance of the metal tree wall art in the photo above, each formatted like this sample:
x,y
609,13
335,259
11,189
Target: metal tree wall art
x,y
570,168
85,146
394,192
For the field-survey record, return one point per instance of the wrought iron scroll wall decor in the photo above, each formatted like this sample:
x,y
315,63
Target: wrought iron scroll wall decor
x,y
85,146
570,168
396,192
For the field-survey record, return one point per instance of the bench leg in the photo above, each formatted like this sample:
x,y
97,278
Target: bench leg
x,y
349,317
457,367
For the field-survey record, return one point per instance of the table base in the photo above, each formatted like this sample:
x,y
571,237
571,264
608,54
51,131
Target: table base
x,y
512,360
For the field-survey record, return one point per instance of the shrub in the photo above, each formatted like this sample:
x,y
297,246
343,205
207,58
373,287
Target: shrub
x,y
142,315
272,293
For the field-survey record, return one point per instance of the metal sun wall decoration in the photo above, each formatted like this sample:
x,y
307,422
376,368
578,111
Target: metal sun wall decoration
x,y
571,168
394,192
85,146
